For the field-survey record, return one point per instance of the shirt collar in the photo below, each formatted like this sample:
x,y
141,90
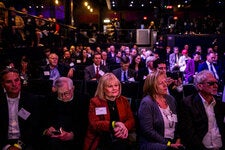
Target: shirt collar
x,y
12,99
213,103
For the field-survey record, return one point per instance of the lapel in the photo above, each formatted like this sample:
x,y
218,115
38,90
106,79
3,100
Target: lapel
x,y
199,107
92,70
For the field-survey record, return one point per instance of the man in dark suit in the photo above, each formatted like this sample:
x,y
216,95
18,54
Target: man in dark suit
x,y
208,65
96,70
202,116
22,114
124,73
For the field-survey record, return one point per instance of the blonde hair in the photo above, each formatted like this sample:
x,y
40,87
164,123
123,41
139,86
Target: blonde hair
x,y
150,84
104,80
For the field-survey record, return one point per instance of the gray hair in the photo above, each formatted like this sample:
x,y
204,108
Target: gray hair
x,y
58,82
201,77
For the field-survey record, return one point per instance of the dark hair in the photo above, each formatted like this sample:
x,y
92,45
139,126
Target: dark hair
x,y
47,50
125,60
96,53
6,71
196,53
157,62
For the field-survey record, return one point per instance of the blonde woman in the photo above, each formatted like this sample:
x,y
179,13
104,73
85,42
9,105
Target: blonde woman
x,y
157,115
110,117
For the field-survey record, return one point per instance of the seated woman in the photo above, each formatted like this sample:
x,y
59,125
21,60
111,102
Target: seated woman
x,y
158,115
110,117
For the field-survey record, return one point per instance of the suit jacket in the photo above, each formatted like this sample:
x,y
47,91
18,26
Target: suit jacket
x,y
142,73
152,124
172,60
130,74
111,60
63,71
89,71
31,128
194,121
204,66
99,124
190,69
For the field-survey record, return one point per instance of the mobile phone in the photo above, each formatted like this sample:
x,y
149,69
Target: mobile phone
x,y
56,132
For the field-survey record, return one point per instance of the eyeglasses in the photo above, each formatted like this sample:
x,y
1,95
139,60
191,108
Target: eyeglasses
x,y
66,93
212,83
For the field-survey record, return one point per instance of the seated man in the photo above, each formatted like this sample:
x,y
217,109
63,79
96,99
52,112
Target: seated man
x,y
124,73
22,114
202,115
67,117
96,70
54,70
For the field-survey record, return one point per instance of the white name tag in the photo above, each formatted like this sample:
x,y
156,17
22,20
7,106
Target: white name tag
x,y
100,111
101,72
131,79
174,116
71,64
46,73
23,113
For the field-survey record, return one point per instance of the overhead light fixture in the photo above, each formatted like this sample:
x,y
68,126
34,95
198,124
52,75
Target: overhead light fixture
x,y
85,3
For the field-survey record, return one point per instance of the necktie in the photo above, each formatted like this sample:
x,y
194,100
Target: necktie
x,y
176,61
211,69
124,76
97,72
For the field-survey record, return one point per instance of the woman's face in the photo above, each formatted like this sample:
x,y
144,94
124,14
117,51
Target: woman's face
x,y
161,85
111,89
138,59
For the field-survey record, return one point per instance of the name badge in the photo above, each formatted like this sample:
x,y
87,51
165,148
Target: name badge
x,y
78,61
174,117
23,113
71,64
101,72
100,111
46,73
131,79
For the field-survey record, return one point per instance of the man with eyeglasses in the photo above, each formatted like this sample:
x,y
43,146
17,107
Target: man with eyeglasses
x,y
67,117
202,115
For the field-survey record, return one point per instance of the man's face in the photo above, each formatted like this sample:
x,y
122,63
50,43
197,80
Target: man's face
x,y
104,55
97,59
162,67
53,60
124,66
209,86
67,55
211,57
64,93
12,84
196,57
176,51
